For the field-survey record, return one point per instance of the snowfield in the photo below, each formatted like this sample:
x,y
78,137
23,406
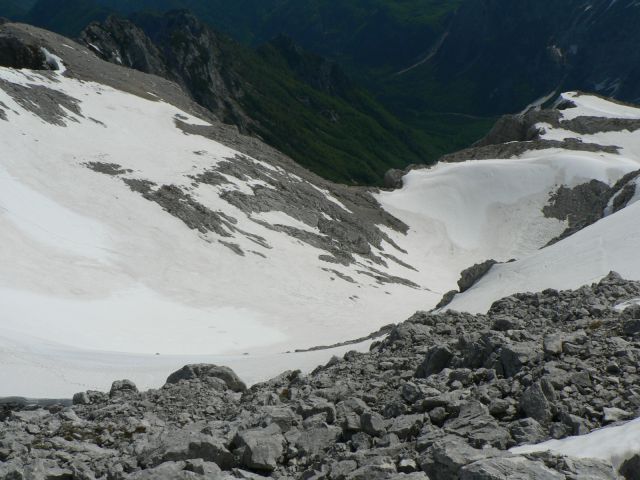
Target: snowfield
x,y
97,282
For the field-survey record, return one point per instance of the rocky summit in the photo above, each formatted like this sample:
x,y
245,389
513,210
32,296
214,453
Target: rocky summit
x,y
444,396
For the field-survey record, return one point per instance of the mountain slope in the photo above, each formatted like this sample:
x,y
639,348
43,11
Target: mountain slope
x,y
318,116
373,33
472,57
297,102
137,223
606,245
159,239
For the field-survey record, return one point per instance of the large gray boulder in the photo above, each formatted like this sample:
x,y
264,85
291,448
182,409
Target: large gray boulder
x,y
538,401
206,448
444,459
473,274
260,448
202,371
631,320
479,428
122,387
437,359
372,424
630,469
508,468
317,439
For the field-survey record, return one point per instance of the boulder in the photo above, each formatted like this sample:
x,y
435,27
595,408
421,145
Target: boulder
x,y
202,371
511,468
470,276
372,424
527,431
538,400
631,320
122,387
393,178
260,448
444,459
437,359
314,440
630,468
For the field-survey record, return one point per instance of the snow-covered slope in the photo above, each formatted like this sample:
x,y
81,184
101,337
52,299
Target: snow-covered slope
x,y
126,230
612,243
139,234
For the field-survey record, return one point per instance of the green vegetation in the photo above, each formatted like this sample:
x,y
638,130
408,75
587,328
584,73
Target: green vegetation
x,y
15,8
67,17
350,138
340,130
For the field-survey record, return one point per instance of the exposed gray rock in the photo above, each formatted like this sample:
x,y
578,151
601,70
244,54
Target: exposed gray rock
x,y
580,206
202,371
367,415
613,415
630,469
447,298
587,203
52,106
260,449
527,431
537,401
479,428
317,439
470,276
372,424
631,320
15,53
446,457
122,387
512,468
393,178
436,360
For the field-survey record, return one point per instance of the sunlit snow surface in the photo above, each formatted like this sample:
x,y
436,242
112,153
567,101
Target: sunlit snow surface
x,y
98,283
611,444
610,244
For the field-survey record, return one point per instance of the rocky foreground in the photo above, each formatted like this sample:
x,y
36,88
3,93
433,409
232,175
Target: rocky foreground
x,y
443,397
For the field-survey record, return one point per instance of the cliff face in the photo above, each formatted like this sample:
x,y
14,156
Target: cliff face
x,y
178,47
299,103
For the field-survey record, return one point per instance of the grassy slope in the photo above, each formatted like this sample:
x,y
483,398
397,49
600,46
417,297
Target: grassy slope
x,y
349,138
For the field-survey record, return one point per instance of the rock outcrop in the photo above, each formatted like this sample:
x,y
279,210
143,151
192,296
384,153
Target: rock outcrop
x,y
442,397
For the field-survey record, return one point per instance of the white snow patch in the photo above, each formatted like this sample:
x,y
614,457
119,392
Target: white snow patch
x,y
590,105
40,369
86,261
136,320
54,61
49,223
629,303
610,444
585,257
